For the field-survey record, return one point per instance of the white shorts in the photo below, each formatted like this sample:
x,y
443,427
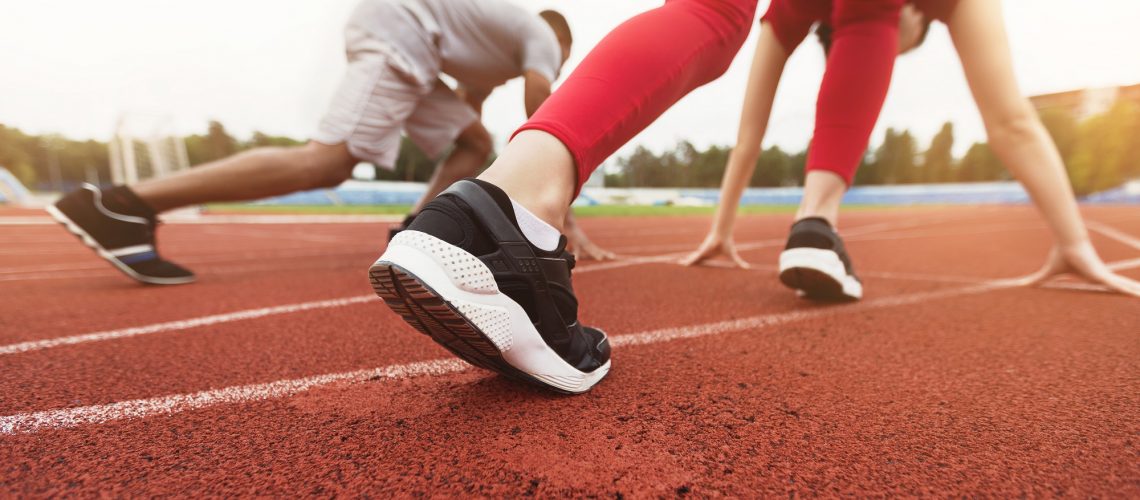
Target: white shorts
x,y
377,100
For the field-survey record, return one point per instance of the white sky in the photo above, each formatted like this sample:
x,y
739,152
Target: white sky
x,y
72,66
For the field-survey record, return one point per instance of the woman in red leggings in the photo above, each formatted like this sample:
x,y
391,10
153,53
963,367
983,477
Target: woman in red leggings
x,y
843,124
490,248
1014,131
860,62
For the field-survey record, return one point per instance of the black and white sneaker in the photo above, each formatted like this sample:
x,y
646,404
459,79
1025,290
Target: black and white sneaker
x,y
120,228
815,263
465,275
394,230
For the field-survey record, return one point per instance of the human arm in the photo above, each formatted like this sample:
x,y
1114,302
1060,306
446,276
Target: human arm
x,y
536,88
1021,142
763,78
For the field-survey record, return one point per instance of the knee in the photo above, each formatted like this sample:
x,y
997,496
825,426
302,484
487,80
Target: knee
x,y
476,141
322,166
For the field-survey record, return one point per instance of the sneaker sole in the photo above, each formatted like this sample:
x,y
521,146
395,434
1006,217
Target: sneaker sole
x,y
819,274
451,296
90,242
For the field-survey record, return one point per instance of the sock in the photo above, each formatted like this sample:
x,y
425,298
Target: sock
x,y
122,200
538,232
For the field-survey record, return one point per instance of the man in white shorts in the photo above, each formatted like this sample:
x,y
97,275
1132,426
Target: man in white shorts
x,y
397,50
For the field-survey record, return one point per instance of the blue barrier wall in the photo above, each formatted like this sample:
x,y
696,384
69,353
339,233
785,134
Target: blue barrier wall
x,y
403,193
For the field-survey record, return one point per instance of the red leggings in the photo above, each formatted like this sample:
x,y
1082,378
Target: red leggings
x,y
651,61
638,71
859,66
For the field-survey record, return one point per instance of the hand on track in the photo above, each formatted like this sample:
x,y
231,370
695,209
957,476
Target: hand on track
x,y
584,249
712,246
1082,260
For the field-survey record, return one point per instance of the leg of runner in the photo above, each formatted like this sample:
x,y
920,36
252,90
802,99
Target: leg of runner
x,y
864,46
859,66
483,269
636,73
254,174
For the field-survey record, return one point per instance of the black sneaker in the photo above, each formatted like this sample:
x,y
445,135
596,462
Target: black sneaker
x,y
465,275
120,228
394,230
815,263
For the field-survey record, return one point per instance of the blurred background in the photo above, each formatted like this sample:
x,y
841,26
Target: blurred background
x,y
168,85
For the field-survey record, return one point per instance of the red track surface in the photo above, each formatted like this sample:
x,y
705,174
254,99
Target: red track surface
x,y
937,383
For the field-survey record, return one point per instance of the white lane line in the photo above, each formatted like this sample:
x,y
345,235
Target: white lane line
x,y
246,232
856,233
1056,284
40,220
93,269
321,304
25,423
37,272
1115,234
30,422
172,326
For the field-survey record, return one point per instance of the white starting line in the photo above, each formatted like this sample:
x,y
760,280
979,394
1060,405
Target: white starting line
x,y
25,423
167,405
36,345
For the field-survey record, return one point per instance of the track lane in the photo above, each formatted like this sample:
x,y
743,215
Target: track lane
x,y
1041,382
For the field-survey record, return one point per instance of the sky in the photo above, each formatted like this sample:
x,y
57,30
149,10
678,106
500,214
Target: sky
x,y
74,66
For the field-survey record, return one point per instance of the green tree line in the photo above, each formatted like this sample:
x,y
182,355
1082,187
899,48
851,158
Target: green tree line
x,y
1100,152
51,161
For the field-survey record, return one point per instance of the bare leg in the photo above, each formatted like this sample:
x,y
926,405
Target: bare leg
x,y
537,171
251,175
823,193
1023,144
472,148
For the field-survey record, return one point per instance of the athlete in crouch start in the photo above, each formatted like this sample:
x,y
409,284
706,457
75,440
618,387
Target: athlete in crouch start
x,y
483,269
397,50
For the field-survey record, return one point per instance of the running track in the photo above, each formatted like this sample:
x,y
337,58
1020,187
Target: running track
x,y
279,374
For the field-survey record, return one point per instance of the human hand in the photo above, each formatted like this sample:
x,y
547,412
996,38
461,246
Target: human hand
x,y
584,249
1081,259
714,245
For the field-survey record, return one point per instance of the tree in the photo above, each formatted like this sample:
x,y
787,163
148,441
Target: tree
x,y
259,140
773,169
15,154
411,165
938,161
1100,159
1062,127
980,164
894,160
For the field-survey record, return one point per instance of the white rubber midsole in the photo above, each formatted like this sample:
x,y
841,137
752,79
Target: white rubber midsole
x,y
823,261
468,285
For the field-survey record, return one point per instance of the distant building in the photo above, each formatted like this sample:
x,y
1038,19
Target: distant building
x,y
1087,102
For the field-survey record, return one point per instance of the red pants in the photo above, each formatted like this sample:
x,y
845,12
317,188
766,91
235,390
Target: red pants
x,y
638,71
651,61
863,49
859,67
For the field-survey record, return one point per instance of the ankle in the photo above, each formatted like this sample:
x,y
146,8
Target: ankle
x,y
832,218
122,199
547,204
